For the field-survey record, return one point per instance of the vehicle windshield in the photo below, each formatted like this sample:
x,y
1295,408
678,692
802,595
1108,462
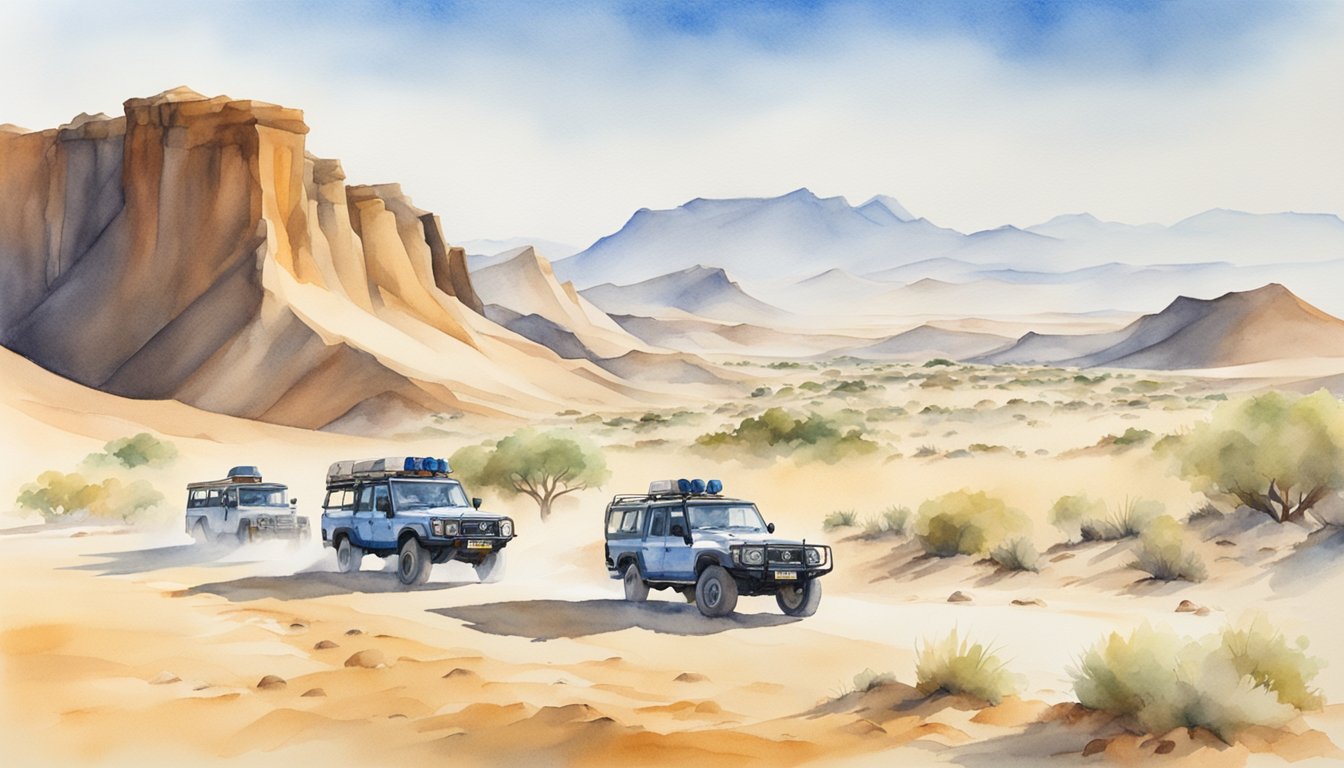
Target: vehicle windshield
x,y
738,517
261,497
427,494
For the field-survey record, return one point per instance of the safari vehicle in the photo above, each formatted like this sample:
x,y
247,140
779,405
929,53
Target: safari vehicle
x,y
243,508
409,508
685,535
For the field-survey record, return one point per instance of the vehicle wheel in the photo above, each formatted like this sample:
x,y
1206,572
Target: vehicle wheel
x,y
801,600
636,591
348,556
715,592
199,534
413,562
491,569
244,534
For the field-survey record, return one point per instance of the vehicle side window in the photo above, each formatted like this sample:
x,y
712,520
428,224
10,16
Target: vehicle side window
x,y
212,499
658,525
678,519
196,499
631,520
365,502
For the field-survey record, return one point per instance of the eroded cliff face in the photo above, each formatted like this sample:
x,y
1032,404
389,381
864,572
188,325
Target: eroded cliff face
x,y
192,249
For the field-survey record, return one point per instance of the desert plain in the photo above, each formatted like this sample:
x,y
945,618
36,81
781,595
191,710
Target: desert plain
x,y
130,645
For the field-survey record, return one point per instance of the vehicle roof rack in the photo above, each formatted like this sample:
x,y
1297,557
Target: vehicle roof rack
x,y
241,475
392,466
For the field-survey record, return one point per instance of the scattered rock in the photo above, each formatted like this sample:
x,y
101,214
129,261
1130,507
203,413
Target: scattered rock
x,y
323,645
368,659
79,534
271,682
1096,746
311,692
1061,557
690,677
298,625
1187,607
1225,543
354,631
958,597
164,678
1036,601
458,672
1164,747
1266,550
396,716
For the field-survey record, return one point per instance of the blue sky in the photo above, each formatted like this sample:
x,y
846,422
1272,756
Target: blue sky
x,y
558,120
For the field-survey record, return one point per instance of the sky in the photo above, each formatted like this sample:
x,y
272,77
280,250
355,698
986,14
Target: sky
x,y
558,120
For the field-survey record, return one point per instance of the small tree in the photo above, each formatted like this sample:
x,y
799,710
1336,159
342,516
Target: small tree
x,y
540,465
1276,453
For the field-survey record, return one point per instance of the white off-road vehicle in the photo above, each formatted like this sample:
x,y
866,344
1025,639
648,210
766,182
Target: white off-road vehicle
x,y
242,508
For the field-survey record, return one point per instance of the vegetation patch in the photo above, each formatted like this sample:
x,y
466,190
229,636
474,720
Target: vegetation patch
x,y
841,518
892,521
1016,554
58,496
1161,552
967,523
779,432
958,666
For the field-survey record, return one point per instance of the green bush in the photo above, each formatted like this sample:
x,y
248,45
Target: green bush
x,y
966,523
1069,512
1161,553
957,666
136,451
938,361
867,680
841,518
1242,677
891,521
1126,522
1017,554
59,496
779,432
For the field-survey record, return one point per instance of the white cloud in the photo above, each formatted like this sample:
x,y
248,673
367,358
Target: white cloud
x,y
562,126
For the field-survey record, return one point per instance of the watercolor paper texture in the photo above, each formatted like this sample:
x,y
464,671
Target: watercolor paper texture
x,y
1029,312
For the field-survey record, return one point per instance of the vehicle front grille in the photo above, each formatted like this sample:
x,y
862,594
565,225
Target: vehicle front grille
x,y
286,522
480,527
787,556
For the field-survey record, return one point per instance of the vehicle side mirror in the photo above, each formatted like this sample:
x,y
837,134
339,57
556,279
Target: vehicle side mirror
x,y
293,502
475,502
770,527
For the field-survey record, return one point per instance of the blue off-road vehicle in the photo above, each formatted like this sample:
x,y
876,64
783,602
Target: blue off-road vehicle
x,y
685,535
409,508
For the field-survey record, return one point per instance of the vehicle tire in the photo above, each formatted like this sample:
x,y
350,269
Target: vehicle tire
x,y
244,533
636,591
198,533
491,569
715,592
801,600
348,556
413,562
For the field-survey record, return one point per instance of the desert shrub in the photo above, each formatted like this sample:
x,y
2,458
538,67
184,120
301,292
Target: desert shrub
x,y
1276,453
891,521
1205,512
926,451
58,496
857,385
1161,553
867,680
777,432
940,380
782,365
812,386
966,523
760,392
1069,512
138,450
938,361
1133,436
1016,554
841,518
1225,682
956,666
1127,521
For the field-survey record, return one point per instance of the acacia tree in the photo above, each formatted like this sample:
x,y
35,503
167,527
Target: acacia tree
x,y
1276,453
540,465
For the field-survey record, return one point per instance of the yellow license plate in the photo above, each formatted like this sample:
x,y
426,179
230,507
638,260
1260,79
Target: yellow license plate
x,y
786,576
480,545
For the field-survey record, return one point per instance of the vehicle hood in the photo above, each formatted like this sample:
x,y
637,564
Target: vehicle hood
x,y
730,538
457,512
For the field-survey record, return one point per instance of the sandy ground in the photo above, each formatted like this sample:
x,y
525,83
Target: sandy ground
x,y
135,647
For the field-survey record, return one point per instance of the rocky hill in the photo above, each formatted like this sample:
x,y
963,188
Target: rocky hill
x,y
192,249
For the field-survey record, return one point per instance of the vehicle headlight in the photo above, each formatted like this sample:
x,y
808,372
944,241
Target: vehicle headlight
x,y
813,556
436,526
264,521
753,556
449,529
506,528
303,522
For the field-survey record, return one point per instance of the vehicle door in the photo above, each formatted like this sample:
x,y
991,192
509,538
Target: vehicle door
x,y
363,516
678,557
655,542
213,507
384,525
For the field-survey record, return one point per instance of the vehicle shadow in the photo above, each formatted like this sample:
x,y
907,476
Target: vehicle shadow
x,y
309,584
543,620
133,561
